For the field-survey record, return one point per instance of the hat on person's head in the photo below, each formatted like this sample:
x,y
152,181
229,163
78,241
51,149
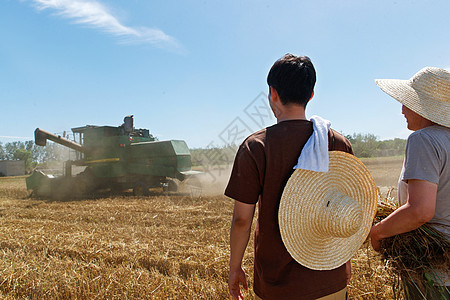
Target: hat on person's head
x,y
325,217
427,93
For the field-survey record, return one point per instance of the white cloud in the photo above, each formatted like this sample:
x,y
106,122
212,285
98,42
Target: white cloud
x,y
97,15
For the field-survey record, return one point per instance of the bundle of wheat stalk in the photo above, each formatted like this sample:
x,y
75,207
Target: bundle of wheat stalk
x,y
414,256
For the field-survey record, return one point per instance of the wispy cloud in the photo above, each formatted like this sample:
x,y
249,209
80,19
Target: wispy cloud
x,y
97,15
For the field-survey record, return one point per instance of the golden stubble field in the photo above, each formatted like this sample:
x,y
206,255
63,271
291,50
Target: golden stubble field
x,y
164,246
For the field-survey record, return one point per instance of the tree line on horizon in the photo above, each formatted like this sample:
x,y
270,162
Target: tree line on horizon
x,y
31,153
367,145
364,146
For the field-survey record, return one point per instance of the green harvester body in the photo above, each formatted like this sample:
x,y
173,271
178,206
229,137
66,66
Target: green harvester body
x,y
116,158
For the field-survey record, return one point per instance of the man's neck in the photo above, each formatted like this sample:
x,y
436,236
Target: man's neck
x,y
291,112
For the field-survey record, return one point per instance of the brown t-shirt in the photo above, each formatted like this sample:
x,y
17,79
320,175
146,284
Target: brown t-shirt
x,y
263,165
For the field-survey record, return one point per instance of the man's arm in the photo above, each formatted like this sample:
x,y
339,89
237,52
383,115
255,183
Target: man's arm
x,y
239,235
348,270
418,210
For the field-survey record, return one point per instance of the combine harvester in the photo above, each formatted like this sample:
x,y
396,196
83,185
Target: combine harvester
x,y
116,158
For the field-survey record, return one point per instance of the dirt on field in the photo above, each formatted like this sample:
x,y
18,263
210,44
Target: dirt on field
x,y
385,171
164,246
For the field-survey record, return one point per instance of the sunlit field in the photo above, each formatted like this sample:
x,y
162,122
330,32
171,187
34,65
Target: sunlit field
x,y
164,246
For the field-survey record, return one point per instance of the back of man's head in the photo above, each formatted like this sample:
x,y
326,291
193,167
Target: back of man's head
x,y
294,78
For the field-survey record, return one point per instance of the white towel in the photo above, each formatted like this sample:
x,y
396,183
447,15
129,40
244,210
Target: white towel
x,y
314,155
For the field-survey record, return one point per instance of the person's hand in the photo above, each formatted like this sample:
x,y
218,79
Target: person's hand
x,y
374,239
234,280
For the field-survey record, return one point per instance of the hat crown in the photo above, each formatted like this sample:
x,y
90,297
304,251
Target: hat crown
x,y
339,216
433,82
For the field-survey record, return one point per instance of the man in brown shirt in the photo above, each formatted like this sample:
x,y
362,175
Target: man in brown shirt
x,y
263,165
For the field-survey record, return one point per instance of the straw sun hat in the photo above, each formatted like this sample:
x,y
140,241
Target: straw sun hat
x,y
427,93
325,217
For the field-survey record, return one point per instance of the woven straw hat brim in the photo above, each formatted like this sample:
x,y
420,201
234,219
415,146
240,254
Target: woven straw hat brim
x,y
429,97
307,192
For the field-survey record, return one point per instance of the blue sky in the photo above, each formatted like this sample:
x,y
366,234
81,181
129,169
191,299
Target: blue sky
x,y
196,70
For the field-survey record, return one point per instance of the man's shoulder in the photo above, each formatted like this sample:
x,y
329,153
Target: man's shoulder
x,y
435,133
256,137
338,136
432,130
430,140
338,142
254,141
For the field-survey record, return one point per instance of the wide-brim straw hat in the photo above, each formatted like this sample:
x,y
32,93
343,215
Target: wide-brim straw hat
x,y
325,217
427,93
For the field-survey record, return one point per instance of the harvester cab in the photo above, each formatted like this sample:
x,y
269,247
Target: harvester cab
x,y
116,158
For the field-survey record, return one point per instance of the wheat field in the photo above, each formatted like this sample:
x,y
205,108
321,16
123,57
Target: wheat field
x,y
163,246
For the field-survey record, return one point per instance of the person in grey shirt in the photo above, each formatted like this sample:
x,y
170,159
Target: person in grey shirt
x,y
424,187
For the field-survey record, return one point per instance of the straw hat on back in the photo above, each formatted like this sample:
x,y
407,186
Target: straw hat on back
x,y
325,217
427,93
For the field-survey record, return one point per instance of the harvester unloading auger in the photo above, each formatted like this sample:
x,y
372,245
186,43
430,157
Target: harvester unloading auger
x,y
116,158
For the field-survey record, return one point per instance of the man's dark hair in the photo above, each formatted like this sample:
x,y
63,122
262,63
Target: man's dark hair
x,y
294,78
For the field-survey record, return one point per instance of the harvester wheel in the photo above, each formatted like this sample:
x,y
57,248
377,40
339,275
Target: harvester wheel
x,y
140,189
172,185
